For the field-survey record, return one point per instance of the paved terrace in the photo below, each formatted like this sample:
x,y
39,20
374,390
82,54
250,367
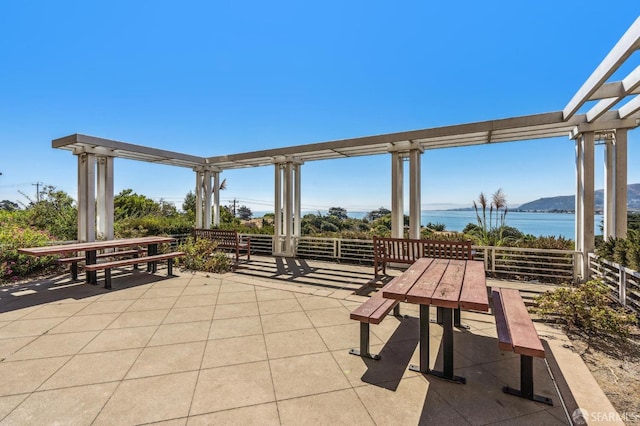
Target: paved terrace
x,y
265,345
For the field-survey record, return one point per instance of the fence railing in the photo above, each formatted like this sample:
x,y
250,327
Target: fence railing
x,y
623,282
506,262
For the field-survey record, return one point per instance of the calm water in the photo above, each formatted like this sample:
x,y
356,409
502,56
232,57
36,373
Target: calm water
x,y
558,224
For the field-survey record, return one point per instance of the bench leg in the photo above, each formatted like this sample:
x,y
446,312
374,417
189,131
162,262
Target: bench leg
x,y
74,271
364,343
438,315
135,265
396,311
169,267
107,278
526,383
457,321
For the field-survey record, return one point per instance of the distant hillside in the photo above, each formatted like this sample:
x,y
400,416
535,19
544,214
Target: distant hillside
x,y
567,202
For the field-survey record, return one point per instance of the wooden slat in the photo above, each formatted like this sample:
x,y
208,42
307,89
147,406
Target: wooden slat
x,y
423,289
474,287
447,293
101,255
504,338
524,336
363,312
382,311
399,286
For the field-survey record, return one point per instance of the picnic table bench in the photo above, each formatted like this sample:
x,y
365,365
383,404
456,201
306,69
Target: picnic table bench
x,y
517,333
407,251
227,239
107,266
372,311
74,260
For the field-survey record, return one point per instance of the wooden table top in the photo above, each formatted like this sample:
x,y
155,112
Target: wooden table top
x,y
94,245
447,283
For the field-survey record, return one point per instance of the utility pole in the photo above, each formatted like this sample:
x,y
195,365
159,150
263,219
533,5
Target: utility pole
x,y
234,207
37,185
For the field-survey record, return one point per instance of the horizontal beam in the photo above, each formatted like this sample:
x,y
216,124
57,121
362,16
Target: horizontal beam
x,y
86,143
625,47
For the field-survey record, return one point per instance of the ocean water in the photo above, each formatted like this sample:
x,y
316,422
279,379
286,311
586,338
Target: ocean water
x,y
558,224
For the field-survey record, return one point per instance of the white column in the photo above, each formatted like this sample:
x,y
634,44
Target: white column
x,y
199,200
588,201
297,216
578,201
609,188
206,175
86,197
216,198
414,194
277,219
397,192
288,209
621,183
104,201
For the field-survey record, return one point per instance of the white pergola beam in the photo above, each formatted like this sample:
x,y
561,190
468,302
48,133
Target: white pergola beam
x,y
625,47
629,108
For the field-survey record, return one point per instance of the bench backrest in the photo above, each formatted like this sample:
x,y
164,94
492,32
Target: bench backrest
x,y
223,237
404,249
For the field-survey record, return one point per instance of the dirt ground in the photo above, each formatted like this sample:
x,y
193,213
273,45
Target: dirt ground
x,y
616,368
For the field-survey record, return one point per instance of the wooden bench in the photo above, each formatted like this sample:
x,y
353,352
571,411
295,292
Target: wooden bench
x,y
407,251
107,266
226,239
77,259
517,333
372,311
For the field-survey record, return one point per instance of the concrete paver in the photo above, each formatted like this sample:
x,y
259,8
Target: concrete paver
x,y
266,344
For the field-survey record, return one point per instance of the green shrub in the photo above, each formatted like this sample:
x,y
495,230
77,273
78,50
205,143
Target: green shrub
x,y
14,235
587,309
152,225
201,255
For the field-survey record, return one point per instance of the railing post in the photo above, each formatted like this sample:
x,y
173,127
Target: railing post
x,y
493,259
622,285
337,248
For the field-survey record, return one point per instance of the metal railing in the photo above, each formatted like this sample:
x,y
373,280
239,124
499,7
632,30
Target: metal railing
x,y
506,262
623,282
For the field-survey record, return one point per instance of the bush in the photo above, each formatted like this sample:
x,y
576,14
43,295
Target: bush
x,y
152,225
13,236
587,309
201,255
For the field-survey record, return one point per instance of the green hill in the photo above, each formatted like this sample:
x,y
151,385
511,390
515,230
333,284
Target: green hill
x,y
567,202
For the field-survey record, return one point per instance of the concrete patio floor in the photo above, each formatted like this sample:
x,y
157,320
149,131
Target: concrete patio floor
x,y
266,344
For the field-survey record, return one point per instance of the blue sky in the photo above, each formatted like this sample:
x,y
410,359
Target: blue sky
x,y
213,78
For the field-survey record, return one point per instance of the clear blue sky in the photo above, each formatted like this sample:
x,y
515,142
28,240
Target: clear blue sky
x,y
213,78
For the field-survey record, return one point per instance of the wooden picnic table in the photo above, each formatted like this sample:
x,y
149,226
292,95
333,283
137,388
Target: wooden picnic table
x,y
450,285
91,248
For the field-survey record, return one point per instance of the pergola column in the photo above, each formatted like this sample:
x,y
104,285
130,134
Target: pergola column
x,y
621,183
397,195
86,197
206,187
609,188
216,198
199,200
412,152
585,200
287,208
104,201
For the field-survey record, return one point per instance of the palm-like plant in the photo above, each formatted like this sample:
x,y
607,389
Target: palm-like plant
x,y
489,232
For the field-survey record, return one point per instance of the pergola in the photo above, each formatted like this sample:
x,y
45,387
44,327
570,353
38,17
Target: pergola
x,y
602,123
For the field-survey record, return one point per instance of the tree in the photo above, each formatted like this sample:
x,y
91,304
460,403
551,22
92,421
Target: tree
x,y
8,205
129,204
338,212
189,204
55,213
377,214
244,212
